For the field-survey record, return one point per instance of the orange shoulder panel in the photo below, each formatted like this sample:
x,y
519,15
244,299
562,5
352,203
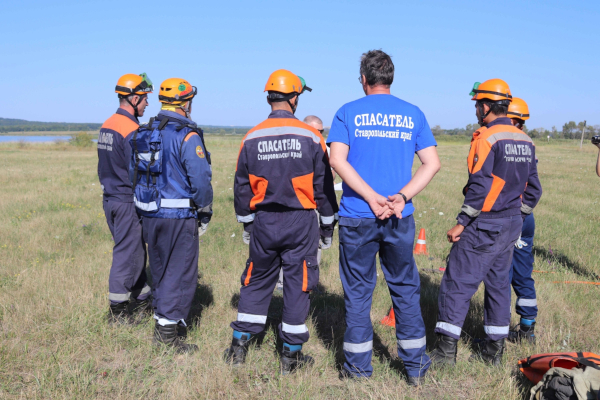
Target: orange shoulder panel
x,y
189,135
480,149
120,123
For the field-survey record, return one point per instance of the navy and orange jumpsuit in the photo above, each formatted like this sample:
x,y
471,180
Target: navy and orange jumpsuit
x,y
282,176
127,275
502,189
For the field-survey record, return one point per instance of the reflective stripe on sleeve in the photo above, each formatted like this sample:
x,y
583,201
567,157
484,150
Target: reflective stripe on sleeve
x,y
145,206
470,211
327,220
175,203
148,156
245,219
455,330
358,347
293,328
495,330
527,302
120,297
255,319
412,343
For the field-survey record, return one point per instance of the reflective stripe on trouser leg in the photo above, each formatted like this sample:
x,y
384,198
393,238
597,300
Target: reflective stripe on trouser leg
x,y
173,253
358,248
118,297
127,272
496,330
402,278
526,302
448,329
142,294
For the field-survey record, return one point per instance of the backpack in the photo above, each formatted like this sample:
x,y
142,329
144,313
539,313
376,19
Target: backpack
x,y
146,145
534,367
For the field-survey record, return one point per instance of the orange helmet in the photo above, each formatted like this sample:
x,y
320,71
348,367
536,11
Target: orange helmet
x,y
284,81
493,89
518,109
134,84
176,91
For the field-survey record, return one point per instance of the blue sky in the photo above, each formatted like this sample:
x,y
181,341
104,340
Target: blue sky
x,y
61,59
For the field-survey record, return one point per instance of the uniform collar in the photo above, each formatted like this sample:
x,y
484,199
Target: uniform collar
x,y
500,121
128,115
282,114
174,115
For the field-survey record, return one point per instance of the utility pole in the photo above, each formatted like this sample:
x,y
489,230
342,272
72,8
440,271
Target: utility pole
x,y
582,134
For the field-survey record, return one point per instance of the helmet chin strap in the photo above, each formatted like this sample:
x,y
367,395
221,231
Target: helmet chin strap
x,y
295,106
136,112
482,116
186,110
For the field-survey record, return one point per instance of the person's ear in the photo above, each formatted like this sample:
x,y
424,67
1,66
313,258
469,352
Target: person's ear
x,y
135,100
486,108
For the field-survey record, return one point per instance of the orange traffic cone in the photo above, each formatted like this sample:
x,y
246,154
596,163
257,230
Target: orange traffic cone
x,y
421,246
390,319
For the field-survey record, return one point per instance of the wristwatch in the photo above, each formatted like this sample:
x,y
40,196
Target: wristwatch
x,y
403,196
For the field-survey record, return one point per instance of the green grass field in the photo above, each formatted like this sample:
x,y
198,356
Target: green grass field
x,y
55,255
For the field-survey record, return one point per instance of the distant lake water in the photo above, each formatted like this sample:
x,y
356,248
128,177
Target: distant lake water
x,y
37,139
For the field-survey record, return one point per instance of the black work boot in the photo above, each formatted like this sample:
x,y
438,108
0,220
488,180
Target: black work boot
x,y
525,333
291,360
167,335
490,351
415,381
236,353
140,309
445,351
119,315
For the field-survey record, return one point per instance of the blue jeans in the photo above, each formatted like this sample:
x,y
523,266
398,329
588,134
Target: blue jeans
x,y
393,239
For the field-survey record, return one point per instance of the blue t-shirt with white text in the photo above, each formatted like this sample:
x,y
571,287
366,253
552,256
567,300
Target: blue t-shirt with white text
x,y
383,133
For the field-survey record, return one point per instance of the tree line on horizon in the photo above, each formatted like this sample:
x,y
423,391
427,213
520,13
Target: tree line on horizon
x,y
570,130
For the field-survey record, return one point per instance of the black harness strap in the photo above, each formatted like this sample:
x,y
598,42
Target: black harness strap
x,y
135,150
163,123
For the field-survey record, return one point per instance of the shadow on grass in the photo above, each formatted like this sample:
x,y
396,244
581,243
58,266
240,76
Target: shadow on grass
x,y
328,315
203,298
561,258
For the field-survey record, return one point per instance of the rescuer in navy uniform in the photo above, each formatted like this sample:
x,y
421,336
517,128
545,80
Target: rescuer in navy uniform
x,y
502,190
282,176
128,290
171,173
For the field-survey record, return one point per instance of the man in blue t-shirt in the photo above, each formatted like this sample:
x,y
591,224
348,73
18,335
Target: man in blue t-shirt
x,y
373,141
